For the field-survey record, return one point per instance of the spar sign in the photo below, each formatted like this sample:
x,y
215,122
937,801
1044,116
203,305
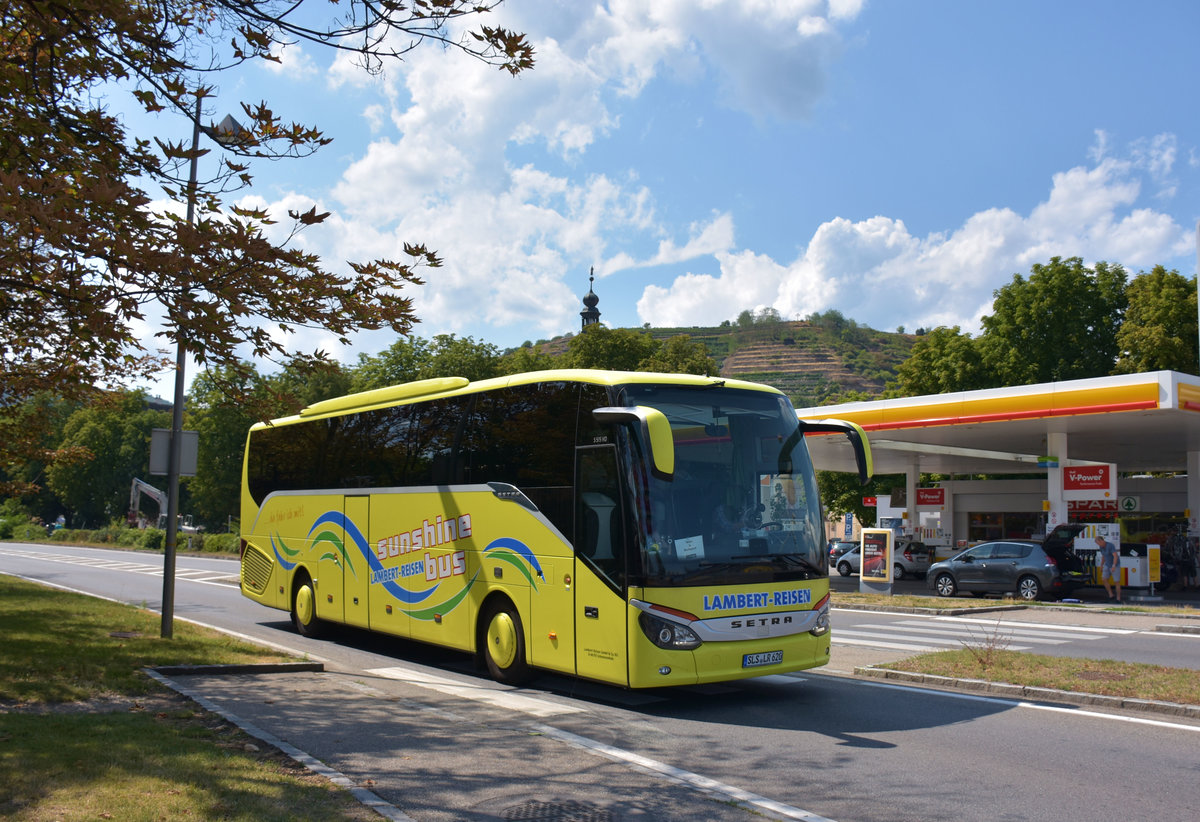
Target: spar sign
x,y
1081,482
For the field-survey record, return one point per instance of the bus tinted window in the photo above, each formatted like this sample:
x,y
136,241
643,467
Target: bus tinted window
x,y
525,436
286,458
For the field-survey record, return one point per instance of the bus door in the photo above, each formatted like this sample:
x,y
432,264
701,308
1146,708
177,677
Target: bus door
x,y
601,650
355,570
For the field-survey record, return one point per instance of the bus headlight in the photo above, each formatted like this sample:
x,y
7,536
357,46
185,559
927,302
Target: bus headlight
x,y
821,627
669,635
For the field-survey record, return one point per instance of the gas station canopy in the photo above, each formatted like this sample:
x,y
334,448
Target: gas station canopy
x,y
1141,422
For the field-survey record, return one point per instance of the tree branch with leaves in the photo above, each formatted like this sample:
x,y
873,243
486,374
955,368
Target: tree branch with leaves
x,y
84,256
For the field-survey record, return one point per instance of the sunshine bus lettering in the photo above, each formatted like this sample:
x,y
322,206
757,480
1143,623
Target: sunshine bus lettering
x,y
427,535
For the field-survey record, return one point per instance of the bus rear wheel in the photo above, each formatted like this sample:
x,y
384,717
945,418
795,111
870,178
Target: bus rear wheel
x,y
504,644
304,609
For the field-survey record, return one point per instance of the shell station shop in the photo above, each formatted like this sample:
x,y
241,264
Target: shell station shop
x,y
1120,455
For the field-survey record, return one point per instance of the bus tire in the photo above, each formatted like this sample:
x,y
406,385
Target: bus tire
x,y
504,644
304,608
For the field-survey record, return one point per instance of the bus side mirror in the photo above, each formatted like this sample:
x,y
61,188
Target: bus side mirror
x,y
858,441
655,432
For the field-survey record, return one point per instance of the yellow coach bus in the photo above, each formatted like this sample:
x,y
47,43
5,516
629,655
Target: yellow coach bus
x,y
636,529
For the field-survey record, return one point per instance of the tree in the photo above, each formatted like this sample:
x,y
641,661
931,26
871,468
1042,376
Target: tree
x,y
82,254
451,356
1060,324
296,386
680,355
403,361
33,431
943,360
619,349
526,359
222,424
841,493
413,358
1159,331
115,432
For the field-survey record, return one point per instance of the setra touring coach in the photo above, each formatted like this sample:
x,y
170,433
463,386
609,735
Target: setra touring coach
x,y
636,529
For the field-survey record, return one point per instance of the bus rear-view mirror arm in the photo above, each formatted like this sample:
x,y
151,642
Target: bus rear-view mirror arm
x,y
858,441
655,431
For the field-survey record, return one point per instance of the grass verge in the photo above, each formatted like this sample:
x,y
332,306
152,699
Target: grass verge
x,y
84,734
850,598
1105,676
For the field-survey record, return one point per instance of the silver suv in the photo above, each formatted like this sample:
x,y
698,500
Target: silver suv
x,y
910,558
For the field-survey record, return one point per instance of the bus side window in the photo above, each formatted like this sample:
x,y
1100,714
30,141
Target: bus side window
x,y
599,530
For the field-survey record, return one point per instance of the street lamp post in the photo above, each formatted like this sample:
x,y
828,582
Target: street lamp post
x,y
175,456
227,132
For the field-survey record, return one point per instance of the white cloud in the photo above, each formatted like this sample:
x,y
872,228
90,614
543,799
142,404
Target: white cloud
x,y
294,62
877,273
485,168
513,235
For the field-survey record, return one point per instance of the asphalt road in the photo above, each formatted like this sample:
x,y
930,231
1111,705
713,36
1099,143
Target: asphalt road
x,y
434,740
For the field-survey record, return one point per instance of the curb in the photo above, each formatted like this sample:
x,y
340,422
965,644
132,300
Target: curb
x,y
909,609
365,797
1027,692
253,668
1078,609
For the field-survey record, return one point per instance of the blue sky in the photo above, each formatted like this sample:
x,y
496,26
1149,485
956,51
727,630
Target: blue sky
x,y
895,161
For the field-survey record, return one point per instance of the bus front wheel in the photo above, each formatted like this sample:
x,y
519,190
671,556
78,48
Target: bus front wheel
x,y
504,644
304,609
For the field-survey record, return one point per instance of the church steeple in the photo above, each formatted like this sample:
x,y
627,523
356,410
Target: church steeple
x,y
590,314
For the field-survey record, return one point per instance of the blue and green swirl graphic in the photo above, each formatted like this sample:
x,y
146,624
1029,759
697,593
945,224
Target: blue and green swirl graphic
x,y
343,541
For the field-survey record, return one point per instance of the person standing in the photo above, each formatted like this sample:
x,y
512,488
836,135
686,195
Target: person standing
x,y
1187,564
1110,566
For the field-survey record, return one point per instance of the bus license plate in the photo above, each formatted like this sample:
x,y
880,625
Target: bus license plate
x,y
768,658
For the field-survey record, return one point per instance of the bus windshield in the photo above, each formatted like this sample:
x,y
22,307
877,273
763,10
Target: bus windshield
x,y
742,506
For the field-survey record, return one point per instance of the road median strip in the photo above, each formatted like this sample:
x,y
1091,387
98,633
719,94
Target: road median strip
x,y
1032,693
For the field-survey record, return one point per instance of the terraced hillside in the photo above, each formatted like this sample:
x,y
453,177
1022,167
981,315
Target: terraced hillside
x,y
815,362
814,372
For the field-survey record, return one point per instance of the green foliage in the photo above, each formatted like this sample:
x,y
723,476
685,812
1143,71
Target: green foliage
x,y
941,361
411,358
114,434
680,355
841,493
620,349
1060,324
526,359
155,539
215,491
220,544
1065,321
87,250
1160,328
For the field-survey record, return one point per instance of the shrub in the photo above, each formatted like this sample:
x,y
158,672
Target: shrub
x,y
154,539
129,537
109,533
221,543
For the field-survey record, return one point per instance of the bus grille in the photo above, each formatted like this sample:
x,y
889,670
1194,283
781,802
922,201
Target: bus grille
x,y
256,569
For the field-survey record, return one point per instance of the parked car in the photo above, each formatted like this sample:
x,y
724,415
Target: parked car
x,y
837,547
848,562
910,558
1024,567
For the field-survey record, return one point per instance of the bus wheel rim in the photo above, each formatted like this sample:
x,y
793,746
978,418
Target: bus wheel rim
x,y
304,605
502,640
